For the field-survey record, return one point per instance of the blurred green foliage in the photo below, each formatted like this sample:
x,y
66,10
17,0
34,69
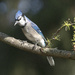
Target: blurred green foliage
x,y
49,17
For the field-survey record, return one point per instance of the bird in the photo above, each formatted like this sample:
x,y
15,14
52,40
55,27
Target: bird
x,y
32,32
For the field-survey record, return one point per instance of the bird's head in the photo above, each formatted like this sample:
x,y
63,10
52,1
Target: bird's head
x,y
20,19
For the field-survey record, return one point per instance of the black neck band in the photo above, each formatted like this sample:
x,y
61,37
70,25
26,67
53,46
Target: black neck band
x,y
24,25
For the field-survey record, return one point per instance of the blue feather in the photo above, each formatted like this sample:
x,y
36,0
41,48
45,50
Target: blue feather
x,y
35,27
19,13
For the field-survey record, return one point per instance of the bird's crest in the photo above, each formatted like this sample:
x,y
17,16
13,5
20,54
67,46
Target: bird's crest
x,y
19,13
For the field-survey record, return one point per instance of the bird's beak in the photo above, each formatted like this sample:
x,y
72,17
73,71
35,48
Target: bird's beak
x,y
16,22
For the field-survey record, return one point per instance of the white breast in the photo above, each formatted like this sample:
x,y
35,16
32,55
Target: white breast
x,y
32,35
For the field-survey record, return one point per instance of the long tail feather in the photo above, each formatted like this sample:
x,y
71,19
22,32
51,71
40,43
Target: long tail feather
x,y
51,60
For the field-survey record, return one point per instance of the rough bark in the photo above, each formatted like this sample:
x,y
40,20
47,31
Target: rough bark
x,y
24,45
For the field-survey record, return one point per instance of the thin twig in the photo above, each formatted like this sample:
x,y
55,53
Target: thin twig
x,y
58,30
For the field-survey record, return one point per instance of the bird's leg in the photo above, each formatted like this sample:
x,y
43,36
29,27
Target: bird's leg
x,y
34,47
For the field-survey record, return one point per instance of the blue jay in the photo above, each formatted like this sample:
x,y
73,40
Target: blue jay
x,y
32,32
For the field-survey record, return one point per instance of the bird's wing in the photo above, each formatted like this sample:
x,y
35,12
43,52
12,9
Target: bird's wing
x,y
37,29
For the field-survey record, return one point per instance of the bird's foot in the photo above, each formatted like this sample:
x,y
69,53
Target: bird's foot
x,y
35,46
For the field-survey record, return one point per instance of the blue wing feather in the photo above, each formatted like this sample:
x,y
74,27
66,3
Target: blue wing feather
x,y
36,28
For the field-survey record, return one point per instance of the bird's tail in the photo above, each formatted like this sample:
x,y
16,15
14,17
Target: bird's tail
x,y
51,60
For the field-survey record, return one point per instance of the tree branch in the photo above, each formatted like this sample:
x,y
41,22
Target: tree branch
x,y
24,45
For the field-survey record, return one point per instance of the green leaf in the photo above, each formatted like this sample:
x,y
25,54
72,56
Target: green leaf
x,y
57,37
67,25
49,43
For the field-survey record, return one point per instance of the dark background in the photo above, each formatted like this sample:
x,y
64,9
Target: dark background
x,y
49,15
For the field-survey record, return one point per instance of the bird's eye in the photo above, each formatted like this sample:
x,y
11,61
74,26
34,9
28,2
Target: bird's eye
x,y
19,19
